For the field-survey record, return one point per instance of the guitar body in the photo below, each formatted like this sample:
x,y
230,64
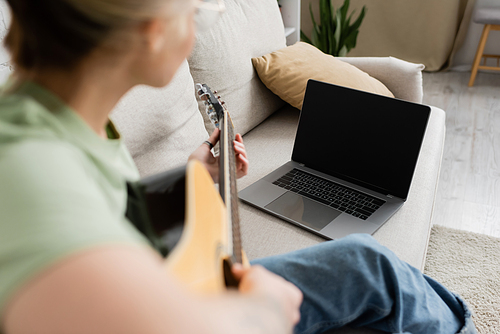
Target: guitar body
x,y
197,259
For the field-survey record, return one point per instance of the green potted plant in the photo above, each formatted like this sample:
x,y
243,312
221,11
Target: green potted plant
x,y
334,34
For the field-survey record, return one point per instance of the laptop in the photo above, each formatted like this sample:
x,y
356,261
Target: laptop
x,y
352,162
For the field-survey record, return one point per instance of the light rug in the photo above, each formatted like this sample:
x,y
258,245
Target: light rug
x,y
468,264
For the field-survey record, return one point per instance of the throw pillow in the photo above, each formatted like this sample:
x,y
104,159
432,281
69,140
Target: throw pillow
x,y
286,72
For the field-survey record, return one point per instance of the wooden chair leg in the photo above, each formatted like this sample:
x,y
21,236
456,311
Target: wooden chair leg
x,y
479,53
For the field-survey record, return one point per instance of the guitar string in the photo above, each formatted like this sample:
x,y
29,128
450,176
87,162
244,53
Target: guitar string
x,y
237,247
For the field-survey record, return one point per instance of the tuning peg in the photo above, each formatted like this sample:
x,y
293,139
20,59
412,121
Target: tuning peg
x,y
215,92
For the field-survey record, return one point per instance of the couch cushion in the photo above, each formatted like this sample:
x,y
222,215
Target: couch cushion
x,y
161,126
406,233
286,72
222,59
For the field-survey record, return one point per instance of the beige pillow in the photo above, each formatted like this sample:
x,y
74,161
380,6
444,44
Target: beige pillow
x,y
286,72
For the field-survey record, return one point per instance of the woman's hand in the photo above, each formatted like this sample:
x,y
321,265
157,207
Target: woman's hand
x,y
205,156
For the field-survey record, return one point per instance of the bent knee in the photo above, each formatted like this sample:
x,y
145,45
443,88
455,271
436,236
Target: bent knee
x,y
359,240
364,245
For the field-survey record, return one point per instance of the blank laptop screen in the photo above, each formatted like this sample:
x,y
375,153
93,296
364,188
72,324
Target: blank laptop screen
x,y
367,139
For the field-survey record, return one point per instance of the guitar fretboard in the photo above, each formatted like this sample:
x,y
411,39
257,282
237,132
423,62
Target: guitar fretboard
x,y
227,183
218,114
235,215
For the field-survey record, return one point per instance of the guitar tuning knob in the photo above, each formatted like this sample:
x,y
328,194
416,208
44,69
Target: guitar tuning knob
x,y
223,103
215,92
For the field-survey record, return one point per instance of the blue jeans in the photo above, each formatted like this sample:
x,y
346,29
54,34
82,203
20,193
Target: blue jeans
x,y
356,281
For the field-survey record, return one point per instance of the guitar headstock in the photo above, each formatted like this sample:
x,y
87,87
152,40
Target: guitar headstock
x,y
214,106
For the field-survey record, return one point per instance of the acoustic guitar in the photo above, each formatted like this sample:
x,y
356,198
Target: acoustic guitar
x,y
187,219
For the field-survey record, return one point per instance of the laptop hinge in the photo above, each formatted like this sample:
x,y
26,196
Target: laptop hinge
x,y
390,196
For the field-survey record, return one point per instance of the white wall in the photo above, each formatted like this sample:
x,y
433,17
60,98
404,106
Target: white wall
x,y
465,55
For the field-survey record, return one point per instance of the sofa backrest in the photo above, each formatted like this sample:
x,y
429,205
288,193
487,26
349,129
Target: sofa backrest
x,y
222,58
162,127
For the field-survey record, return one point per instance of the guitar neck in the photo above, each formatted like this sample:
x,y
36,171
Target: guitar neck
x,y
227,183
219,116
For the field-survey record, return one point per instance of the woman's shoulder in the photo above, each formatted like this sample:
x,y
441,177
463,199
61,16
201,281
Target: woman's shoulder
x,y
41,159
14,104
23,118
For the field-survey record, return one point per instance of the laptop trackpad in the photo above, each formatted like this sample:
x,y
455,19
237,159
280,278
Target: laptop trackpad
x,y
303,210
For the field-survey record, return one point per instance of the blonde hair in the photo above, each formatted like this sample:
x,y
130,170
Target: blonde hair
x,y
123,12
59,33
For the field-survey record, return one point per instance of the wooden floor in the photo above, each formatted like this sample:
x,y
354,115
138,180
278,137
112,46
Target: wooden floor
x,y
468,196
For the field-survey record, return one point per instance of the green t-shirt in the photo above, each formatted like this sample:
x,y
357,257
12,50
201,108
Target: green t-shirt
x,y
62,187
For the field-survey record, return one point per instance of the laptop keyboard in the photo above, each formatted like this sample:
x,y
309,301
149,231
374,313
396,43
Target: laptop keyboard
x,y
352,202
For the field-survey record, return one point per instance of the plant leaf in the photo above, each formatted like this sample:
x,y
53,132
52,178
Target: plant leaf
x,y
324,12
326,21
331,42
316,40
304,38
334,35
347,23
315,25
333,13
338,31
357,23
344,9
334,44
350,41
343,52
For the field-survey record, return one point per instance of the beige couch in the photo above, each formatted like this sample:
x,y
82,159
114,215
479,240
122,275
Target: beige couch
x,y
162,126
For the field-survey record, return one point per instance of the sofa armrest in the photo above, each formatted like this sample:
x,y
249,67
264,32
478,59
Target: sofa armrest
x,y
404,79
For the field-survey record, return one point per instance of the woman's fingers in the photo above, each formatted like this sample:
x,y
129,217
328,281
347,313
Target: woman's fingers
x,y
241,156
239,138
239,270
214,137
240,149
242,167
238,142
211,162
258,281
